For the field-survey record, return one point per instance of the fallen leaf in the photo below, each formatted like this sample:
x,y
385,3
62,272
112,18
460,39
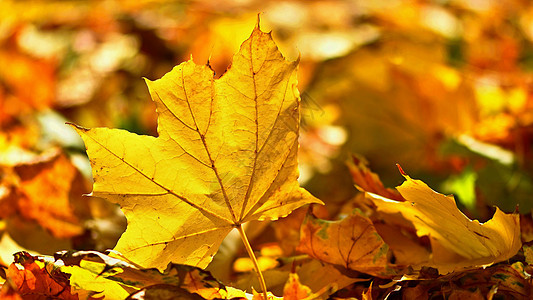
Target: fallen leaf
x,y
116,279
287,229
85,278
226,154
9,292
526,228
294,290
352,243
502,280
419,292
512,280
48,194
319,277
407,248
456,241
458,294
33,280
368,181
275,279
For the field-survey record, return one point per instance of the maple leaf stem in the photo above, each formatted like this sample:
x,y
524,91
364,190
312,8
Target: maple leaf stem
x,y
254,260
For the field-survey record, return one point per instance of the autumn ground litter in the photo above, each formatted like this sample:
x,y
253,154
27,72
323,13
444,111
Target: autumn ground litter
x,y
209,205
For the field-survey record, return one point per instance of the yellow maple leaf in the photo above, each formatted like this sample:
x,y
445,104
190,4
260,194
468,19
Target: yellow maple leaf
x,y
457,242
226,154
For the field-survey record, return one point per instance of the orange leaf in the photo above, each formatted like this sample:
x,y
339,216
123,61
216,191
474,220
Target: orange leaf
x,y
351,242
34,282
294,290
47,191
368,181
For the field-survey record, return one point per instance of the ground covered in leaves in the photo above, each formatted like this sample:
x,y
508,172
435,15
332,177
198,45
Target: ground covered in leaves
x,y
295,142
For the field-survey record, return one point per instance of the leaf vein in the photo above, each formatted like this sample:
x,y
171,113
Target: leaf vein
x,y
276,177
202,137
256,121
179,238
166,106
160,185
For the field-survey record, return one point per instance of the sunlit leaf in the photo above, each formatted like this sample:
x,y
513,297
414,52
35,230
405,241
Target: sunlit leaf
x,y
226,154
457,242
351,242
34,280
114,278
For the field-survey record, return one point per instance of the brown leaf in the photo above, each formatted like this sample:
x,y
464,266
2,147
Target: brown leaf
x,y
526,228
351,242
287,229
419,292
458,294
512,282
319,277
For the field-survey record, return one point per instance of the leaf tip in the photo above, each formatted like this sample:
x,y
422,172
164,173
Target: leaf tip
x,y
257,25
77,127
516,209
401,170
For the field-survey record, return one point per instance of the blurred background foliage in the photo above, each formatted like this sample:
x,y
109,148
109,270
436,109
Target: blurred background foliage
x,y
444,88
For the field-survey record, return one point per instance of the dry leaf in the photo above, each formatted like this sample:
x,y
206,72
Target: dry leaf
x,y
294,290
456,241
113,278
368,181
226,154
319,277
9,292
287,229
504,281
47,190
34,281
457,294
351,242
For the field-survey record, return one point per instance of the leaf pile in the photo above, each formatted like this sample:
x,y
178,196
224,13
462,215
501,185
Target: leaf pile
x,y
233,137
185,194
